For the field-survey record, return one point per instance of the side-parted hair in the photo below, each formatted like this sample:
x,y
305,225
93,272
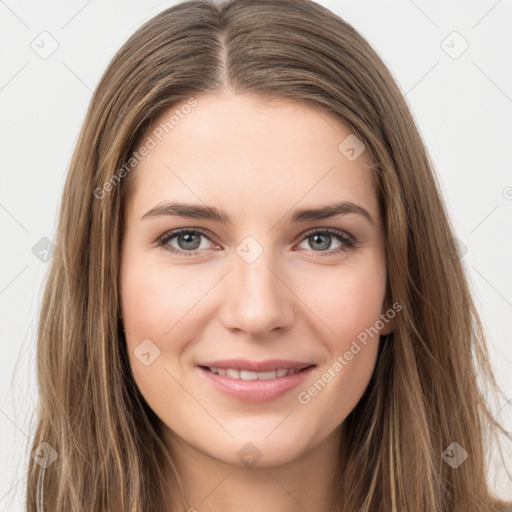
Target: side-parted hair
x,y
429,386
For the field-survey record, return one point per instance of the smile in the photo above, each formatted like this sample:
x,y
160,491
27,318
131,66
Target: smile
x,y
233,373
250,385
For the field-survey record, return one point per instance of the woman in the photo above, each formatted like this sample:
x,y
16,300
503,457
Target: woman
x,y
197,349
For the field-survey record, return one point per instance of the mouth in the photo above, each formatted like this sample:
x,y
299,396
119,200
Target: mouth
x,y
234,373
249,385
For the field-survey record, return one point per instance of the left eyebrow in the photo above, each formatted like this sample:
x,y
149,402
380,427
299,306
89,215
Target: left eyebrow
x,y
327,211
197,211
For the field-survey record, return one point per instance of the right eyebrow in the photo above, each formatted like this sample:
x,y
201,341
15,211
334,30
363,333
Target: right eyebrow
x,y
192,211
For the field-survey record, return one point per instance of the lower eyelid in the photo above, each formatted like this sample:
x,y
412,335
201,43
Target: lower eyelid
x,y
345,239
167,237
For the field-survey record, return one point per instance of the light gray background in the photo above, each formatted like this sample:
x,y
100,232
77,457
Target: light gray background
x,y
463,107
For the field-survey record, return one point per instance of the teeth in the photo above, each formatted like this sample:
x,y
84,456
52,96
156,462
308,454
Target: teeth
x,y
248,375
268,375
234,374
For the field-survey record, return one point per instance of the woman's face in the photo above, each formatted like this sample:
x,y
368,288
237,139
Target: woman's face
x,y
254,281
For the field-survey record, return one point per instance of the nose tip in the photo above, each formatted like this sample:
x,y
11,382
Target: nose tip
x,y
257,301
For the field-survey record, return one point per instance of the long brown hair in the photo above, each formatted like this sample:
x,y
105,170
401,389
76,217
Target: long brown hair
x,y
424,394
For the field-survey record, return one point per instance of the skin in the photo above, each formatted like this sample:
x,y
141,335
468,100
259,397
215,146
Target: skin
x,y
299,300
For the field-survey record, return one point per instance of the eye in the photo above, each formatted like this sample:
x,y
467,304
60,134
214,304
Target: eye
x,y
189,241
321,239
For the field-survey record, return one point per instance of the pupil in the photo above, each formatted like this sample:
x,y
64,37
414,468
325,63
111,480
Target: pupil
x,y
326,238
189,238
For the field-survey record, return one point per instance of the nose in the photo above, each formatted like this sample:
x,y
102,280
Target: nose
x,y
257,297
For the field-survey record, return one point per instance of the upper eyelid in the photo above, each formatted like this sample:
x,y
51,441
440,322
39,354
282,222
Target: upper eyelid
x,y
167,236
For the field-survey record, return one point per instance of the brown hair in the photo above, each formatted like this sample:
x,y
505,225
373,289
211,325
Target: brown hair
x,y
424,393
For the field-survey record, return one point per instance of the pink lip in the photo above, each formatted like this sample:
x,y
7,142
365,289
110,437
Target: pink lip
x,y
256,391
256,366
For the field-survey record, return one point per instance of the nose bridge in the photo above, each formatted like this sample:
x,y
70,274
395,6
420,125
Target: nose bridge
x,y
258,300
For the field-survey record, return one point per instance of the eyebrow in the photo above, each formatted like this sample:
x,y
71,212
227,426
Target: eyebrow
x,y
197,211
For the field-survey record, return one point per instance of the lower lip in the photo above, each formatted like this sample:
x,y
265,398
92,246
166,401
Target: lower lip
x,y
256,391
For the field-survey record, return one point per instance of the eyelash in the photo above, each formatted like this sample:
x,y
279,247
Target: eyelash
x,y
347,241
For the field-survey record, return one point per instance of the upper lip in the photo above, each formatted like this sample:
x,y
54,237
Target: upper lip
x,y
257,366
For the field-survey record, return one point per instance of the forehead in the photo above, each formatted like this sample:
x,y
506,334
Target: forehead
x,y
249,150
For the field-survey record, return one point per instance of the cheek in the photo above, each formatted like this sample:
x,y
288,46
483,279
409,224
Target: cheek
x,y
348,301
151,307
352,349
349,306
154,299
163,305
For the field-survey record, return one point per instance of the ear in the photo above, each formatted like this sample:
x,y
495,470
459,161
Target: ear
x,y
389,324
388,316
